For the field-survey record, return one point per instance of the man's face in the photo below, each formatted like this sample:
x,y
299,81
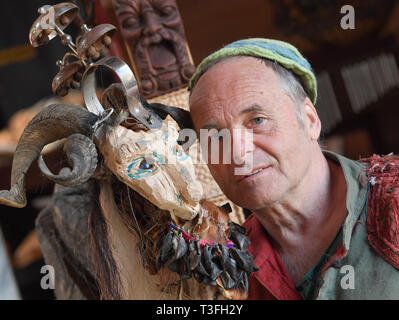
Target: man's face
x,y
243,93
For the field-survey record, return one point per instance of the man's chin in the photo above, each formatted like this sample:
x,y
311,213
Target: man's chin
x,y
253,201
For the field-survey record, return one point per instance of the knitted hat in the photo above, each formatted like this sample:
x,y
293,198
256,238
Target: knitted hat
x,y
282,52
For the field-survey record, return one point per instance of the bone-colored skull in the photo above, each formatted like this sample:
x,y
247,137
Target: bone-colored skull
x,y
155,165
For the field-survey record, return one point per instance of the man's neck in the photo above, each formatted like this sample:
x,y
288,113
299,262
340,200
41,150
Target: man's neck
x,y
310,214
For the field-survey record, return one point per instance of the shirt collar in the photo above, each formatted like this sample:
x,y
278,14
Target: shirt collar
x,y
356,192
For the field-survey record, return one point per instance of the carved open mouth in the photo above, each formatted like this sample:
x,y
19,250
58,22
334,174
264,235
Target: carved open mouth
x,y
162,55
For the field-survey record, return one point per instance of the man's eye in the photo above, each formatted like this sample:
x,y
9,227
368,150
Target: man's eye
x,y
257,120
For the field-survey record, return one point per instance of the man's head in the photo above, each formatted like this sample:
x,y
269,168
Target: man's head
x,y
244,92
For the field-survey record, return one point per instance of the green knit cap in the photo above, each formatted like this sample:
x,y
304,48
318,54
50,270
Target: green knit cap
x,y
282,52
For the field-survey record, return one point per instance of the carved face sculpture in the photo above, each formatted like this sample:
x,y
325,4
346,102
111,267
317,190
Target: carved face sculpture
x,y
155,165
155,36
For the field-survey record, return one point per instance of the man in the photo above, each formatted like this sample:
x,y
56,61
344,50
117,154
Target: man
x,y
308,223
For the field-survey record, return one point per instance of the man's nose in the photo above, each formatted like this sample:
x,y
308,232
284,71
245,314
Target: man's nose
x,y
241,145
151,23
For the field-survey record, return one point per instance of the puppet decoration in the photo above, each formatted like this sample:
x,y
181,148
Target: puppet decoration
x,y
132,188
155,39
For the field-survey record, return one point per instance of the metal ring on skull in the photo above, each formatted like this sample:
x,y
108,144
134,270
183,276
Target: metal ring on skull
x,y
102,118
129,85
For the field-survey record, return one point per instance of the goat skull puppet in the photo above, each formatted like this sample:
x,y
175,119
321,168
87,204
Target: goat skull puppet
x,y
138,143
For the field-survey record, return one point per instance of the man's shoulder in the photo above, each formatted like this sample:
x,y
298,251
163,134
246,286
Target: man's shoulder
x,y
350,165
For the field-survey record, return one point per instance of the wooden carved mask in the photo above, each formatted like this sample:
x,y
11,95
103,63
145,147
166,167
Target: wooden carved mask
x,y
155,37
155,165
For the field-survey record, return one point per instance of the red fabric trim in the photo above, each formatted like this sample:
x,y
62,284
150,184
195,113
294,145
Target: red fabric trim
x,y
339,254
383,206
102,16
272,280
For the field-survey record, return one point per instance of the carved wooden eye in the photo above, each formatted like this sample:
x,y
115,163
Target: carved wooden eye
x,y
130,22
144,165
168,10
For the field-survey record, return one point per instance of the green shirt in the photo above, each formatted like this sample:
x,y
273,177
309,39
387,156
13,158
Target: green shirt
x,y
360,273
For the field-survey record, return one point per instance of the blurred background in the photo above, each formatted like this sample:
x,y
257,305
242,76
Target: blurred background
x,y
357,72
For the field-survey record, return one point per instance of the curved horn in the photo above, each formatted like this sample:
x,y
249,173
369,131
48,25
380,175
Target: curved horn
x,y
82,154
55,122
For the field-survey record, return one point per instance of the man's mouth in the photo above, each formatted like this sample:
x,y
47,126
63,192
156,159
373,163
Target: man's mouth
x,y
255,172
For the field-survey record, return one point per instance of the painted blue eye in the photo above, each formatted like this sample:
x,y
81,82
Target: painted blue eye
x,y
144,165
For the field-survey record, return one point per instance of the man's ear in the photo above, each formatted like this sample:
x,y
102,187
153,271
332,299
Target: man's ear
x,y
311,119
